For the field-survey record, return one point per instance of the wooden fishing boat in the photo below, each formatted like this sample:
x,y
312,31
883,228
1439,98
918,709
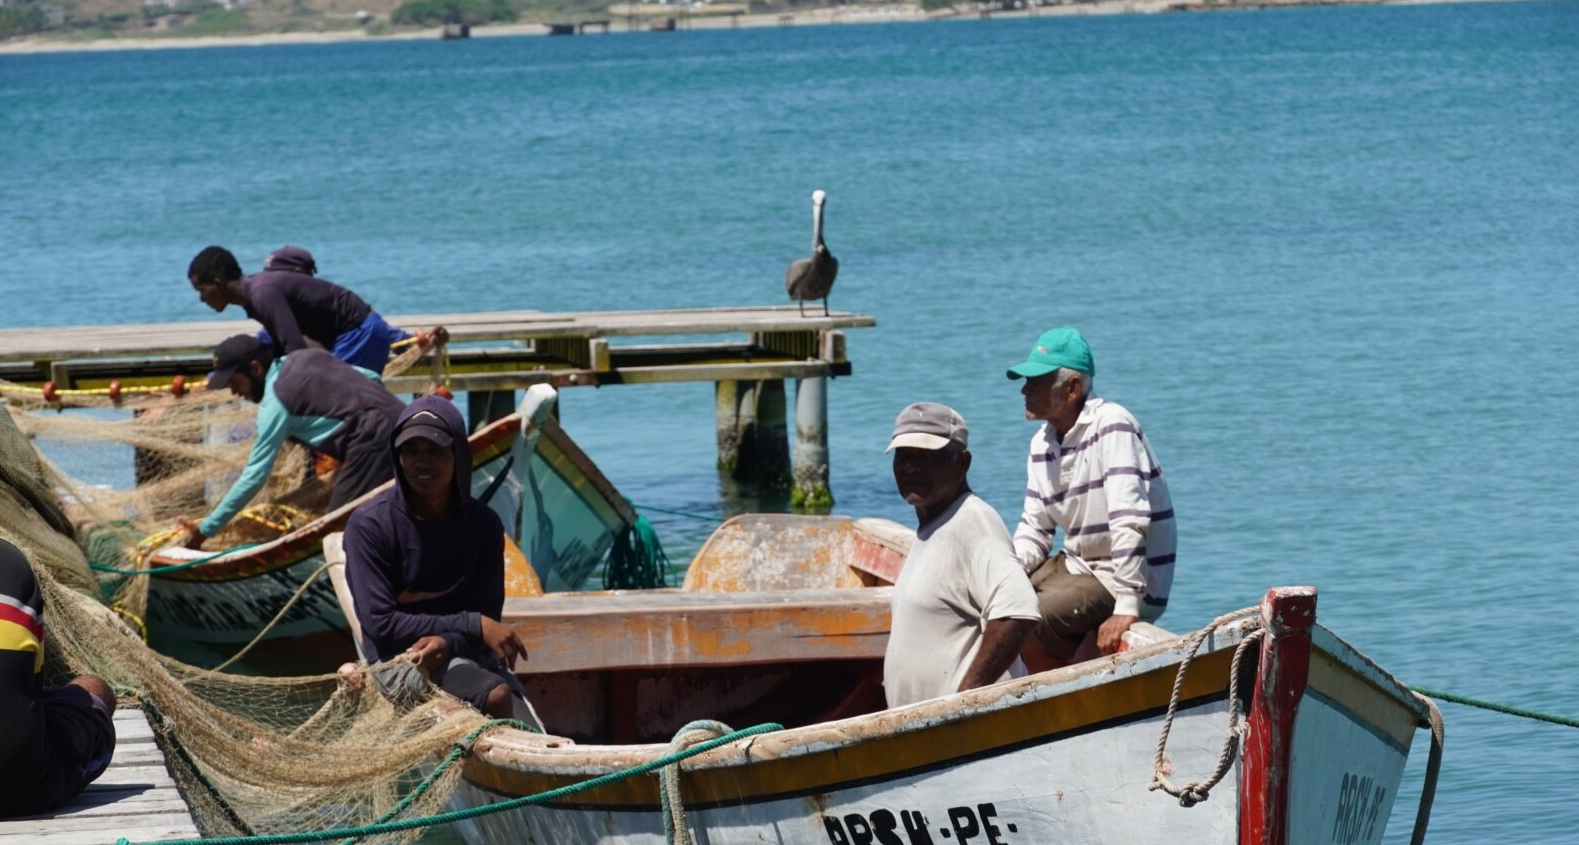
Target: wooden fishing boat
x,y
553,500
1065,755
768,602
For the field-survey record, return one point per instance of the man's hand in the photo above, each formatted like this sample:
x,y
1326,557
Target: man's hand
x,y
194,536
435,337
429,653
503,641
1111,635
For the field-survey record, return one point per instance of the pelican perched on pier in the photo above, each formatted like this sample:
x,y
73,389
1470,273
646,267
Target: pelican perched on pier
x,y
812,278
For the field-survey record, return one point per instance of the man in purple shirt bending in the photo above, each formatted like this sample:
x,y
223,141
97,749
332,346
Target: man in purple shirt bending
x,y
295,306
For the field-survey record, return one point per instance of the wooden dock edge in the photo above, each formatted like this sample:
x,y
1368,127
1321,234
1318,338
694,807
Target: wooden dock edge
x,y
135,798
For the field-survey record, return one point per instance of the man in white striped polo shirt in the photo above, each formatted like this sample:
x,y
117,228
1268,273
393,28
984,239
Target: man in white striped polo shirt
x,y
1091,473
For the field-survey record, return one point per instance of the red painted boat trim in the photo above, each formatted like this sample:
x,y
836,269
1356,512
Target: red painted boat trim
x,y
1288,614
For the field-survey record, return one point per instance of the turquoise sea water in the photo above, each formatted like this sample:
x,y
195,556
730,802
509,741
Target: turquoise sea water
x,y
1328,257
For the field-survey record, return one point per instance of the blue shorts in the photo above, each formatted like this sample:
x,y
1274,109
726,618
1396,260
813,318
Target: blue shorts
x,y
366,346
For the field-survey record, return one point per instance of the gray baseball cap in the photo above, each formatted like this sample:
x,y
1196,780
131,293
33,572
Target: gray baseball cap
x,y
928,425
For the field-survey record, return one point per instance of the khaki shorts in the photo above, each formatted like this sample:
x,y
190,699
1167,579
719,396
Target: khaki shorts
x,y
1072,606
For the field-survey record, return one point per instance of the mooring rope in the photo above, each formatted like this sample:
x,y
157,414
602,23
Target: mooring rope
x,y
1499,708
290,603
701,516
1433,768
474,812
1195,792
675,829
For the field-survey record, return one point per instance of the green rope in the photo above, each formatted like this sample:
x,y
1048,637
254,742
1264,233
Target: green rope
x,y
174,567
702,516
461,749
473,812
1499,708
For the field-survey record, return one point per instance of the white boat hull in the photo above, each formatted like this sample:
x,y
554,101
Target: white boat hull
x,y
1062,790
1062,756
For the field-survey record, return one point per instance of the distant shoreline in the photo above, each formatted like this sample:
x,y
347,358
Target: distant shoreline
x,y
904,13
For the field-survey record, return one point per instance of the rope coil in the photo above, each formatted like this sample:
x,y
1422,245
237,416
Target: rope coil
x,y
1195,792
675,829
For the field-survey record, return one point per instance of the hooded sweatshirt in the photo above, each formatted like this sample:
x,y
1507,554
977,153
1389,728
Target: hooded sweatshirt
x,y
411,577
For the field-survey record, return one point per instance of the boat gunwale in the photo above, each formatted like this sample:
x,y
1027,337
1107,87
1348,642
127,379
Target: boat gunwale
x,y
488,444
522,751
1335,647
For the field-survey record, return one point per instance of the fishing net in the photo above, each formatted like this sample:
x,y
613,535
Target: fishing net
x,y
252,755
183,448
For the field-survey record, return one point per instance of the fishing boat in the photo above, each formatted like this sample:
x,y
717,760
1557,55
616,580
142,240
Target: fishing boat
x,y
1071,754
553,500
770,601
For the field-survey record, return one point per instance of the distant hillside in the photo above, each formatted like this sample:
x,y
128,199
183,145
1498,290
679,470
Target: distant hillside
x,y
99,19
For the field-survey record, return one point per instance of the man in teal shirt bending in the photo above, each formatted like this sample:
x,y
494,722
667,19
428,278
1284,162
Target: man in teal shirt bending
x,y
311,397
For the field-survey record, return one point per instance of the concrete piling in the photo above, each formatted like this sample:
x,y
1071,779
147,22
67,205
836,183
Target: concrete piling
x,y
753,443
811,491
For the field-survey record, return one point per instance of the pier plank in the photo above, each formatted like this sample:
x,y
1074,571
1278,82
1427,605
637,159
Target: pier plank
x,y
135,798
200,337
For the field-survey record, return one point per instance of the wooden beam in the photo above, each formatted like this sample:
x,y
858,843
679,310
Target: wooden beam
x,y
670,628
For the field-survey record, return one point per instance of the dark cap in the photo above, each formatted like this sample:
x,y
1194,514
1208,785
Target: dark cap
x,y
928,425
292,258
235,353
427,425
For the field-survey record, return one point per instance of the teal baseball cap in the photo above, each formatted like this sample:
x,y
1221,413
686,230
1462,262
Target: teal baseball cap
x,y
1060,347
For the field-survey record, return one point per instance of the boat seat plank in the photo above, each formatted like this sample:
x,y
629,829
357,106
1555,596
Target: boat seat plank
x,y
674,628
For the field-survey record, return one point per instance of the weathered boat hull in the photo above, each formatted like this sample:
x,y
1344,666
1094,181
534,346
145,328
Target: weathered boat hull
x,y
1062,756
551,498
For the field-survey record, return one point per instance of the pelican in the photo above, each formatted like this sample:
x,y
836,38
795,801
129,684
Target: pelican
x,y
812,278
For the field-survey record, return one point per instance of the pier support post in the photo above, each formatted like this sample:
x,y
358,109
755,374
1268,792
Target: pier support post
x,y
753,443
486,406
811,446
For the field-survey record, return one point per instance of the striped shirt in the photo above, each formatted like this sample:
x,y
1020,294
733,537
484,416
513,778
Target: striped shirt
x,y
1103,486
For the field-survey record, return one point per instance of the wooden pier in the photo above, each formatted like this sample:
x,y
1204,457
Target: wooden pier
x,y
748,352
135,798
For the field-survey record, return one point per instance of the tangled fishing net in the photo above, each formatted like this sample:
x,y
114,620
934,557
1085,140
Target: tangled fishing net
x,y
252,755
184,450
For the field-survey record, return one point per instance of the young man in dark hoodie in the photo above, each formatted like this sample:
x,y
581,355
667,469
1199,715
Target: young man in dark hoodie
x,y
54,743
295,306
311,397
425,564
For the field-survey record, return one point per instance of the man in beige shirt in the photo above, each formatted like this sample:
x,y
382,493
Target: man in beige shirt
x,y
962,605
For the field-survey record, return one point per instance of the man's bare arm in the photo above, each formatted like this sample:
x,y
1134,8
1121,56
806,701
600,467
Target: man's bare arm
x,y
1000,644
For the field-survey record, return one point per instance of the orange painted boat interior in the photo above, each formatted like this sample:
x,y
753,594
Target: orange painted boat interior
x,y
780,618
